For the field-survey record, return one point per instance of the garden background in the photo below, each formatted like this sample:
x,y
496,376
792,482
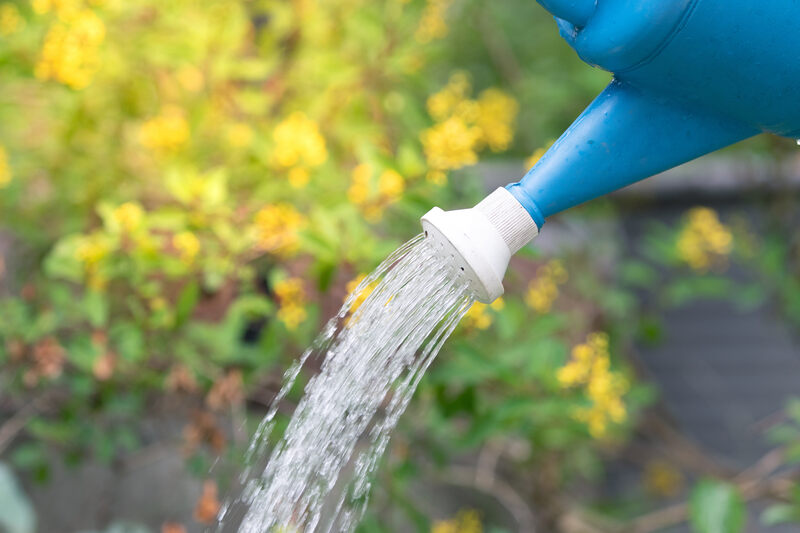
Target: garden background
x,y
189,189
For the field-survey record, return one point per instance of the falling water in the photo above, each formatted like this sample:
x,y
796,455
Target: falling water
x,y
318,475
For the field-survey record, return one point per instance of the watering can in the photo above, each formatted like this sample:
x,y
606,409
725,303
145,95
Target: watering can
x,y
690,77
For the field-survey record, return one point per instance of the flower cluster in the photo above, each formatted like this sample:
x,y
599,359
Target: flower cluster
x,y
662,479
277,228
187,245
128,216
704,240
167,131
5,168
543,290
451,144
239,135
373,196
291,298
362,295
91,251
464,522
496,113
10,19
299,146
590,367
358,298
71,50
464,125
432,24
478,316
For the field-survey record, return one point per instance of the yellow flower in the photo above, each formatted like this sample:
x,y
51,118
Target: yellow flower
x,y
239,135
10,19
437,177
432,24
41,7
543,290
496,113
391,185
277,228
128,216
662,479
167,131
537,154
704,240
363,193
373,213
5,169
61,7
190,78
478,317
92,249
291,299
71,50
298,141
352,285
158,303
299,177
359,190
590,368
451,144
577,371
464,125
464,522
187,244
443,105
360,298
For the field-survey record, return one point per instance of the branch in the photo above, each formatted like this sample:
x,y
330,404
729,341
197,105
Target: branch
x,y
511,500
753,483
11,427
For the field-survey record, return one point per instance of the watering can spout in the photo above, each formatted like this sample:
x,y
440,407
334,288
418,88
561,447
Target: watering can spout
x,y
624,136
576,12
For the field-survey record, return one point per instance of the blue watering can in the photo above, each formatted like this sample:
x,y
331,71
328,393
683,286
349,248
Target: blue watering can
x,y
690,77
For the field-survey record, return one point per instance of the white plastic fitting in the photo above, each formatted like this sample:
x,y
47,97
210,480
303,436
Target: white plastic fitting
x,y
481,240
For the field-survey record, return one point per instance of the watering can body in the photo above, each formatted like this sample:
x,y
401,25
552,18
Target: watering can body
x,y
690,77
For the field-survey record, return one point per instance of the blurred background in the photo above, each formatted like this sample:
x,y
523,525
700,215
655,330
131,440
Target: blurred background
x,y
190,188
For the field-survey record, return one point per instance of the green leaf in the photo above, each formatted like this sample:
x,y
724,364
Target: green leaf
x,y
793,409
638,274
95,305
82,352
187,300
29,456
716,507
128,340
780,514
16,512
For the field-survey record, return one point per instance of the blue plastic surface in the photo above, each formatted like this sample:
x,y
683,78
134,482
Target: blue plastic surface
x,y
691,76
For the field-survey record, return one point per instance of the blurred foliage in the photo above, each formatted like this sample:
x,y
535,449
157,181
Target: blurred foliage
x,y
716,508
189,188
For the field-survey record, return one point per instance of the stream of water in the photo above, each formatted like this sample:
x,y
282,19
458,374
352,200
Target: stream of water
x,y
373,354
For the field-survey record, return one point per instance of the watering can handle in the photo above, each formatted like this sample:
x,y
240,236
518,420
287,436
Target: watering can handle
x,y
577,12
